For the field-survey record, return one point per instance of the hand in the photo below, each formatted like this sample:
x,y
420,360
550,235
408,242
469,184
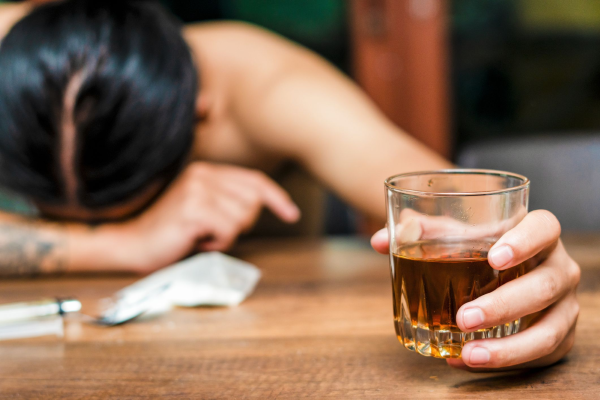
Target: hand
x,y
549,288
205,209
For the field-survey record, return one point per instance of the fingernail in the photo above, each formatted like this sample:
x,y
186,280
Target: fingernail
x,y
381,235
501,256
472,317
479,356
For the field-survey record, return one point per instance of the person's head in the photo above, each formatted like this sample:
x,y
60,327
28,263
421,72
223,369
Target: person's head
x,y
97,104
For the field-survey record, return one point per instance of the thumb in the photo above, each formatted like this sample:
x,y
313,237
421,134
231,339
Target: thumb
x,y
380,242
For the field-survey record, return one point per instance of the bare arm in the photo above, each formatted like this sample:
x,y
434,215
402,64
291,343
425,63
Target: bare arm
x,y
10,14
202,210
32,247
290,102
28,251
330,126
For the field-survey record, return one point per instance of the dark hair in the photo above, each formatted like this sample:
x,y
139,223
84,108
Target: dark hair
x,y
130,118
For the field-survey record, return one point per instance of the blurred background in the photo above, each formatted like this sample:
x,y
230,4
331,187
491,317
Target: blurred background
x,y
503,84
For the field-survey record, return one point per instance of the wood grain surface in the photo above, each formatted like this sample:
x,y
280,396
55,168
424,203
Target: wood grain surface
x,y
318,326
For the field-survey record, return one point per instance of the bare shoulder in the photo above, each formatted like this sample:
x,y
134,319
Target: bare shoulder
x,y
234,35
10,14
243,44
253,72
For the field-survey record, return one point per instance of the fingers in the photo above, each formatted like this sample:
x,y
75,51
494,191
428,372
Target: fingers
x,y
246,184
543,361
532,292
215,230
413,226
274,197
537,234
408,230
380,242
543,339
533,239
226,200
243,210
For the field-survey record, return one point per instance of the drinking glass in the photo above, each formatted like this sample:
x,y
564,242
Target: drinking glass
x,y
441,225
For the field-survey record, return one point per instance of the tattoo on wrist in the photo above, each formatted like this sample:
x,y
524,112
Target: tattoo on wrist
x,y
24,251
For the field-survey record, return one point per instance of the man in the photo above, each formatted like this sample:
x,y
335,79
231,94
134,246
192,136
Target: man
x,y
133,163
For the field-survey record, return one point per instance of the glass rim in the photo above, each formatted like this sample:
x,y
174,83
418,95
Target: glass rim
x,y
458,171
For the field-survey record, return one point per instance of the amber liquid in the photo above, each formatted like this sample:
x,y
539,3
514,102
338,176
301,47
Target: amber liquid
x,y
431,281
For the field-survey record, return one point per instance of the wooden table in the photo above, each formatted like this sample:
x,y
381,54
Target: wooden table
x,y
319,325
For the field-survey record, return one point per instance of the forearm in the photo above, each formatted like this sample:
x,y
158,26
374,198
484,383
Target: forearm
x,y
35,247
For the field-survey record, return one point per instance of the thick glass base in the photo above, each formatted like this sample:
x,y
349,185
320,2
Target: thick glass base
x,y
441,343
